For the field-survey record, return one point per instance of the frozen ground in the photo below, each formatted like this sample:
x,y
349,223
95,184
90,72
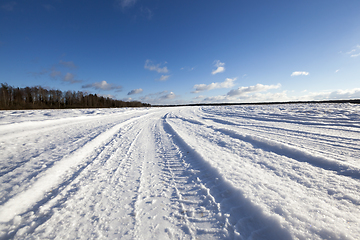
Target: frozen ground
x,y
239,172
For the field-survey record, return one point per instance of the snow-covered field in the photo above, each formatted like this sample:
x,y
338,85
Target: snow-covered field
x,y
235,172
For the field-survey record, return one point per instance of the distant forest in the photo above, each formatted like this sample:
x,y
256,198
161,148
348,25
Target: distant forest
x,y
40,98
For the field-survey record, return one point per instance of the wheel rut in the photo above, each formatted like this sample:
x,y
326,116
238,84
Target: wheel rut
x,y
195,209
205,203
298,153
94,166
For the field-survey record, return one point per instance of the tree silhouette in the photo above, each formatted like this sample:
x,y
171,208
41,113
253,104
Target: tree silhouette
x,y
40,98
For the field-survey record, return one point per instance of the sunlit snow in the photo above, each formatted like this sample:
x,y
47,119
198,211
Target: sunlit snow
x,y
227,172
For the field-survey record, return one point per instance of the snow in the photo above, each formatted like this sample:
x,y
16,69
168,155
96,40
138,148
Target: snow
x,y
226,172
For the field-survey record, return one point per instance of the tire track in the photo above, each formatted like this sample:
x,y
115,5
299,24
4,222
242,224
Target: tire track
x,y
16,130
152,203
323,165
195,210
274,176
322,139
40,140
314,157
101,171
38,157
181,176
279,118
52,177
323,135
208,205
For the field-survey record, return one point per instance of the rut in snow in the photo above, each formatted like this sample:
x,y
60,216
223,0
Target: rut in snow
x,y
206,202
182,173
299,153
56,185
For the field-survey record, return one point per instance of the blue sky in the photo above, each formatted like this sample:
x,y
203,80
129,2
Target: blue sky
x,y
177,52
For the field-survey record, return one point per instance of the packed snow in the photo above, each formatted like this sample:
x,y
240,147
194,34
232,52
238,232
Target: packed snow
x,y
225,172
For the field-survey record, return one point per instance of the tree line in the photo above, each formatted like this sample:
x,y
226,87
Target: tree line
x,y
41,98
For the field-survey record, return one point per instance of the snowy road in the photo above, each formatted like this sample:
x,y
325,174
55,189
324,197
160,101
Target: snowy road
x,y
237,172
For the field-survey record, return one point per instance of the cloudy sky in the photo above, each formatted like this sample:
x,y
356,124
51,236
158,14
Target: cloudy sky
x,y
176,52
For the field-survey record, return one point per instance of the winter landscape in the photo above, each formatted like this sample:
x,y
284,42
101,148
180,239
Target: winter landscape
x,y
227,172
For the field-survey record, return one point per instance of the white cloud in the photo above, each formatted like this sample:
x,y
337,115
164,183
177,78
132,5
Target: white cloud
x,y
355,52
164,77
219,67
257,88
156,94
38,74
107,96
336,71
146,12
299,74
170,95
187,68
152,67
333,95
256,97
199,97
159,98
69,64
135,91
220,98
284,97
228,83
218,70
55,73
103,85
69,77
126,3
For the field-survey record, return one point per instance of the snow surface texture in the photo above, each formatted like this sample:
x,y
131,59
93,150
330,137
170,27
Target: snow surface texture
x,y
237,172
